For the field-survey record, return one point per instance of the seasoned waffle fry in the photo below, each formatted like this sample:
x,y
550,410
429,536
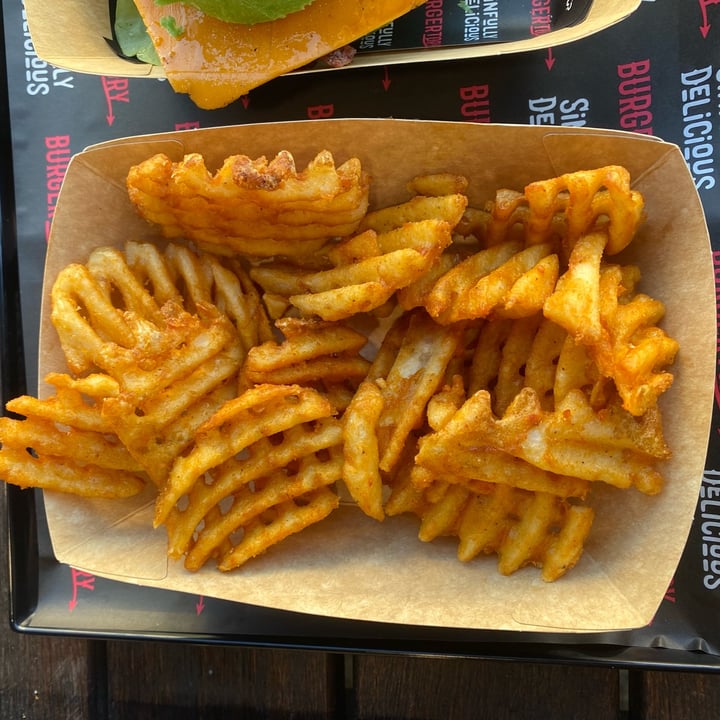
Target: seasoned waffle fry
x,y
260,451
259,412
565,207
633,351
596,305
525,528
255,207
64,444
589,199
505,279
261,459
573,439
361,467
313,352
521,527
408,382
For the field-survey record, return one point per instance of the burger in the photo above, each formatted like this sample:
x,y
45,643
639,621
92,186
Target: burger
x,y
216,51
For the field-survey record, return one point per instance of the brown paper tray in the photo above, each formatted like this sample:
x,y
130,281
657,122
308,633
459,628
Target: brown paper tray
x,y
350,566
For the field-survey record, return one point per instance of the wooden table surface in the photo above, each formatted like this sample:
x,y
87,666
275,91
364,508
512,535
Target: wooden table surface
x,y
59,678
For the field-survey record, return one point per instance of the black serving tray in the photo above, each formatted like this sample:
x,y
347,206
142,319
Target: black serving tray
x,y
636,75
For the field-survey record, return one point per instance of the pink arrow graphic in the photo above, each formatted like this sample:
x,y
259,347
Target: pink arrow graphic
x,y
705,27
550,59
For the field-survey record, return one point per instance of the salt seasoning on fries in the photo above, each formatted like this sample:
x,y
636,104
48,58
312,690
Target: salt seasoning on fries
x,y
478,368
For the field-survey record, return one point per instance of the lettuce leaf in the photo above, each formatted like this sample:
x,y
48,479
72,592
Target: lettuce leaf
x,y
131,34
246,12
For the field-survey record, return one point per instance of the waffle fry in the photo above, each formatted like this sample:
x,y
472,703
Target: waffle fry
x,y
63,443
313,352
521,527
394,247
614,448
596,304
361,466
565,208
524,528
408,376
406,253
259,412
254,207
251,487
271,453
504,279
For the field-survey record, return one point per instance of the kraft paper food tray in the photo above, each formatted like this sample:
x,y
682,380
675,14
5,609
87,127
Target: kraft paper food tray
x,y
350,566
72,36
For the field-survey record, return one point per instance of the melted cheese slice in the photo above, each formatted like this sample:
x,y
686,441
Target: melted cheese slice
x,y
216,62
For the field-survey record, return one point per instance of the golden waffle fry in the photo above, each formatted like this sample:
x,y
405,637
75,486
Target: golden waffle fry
x,y
521,527
524,528
361,467
173,366
260,412
633,350
283,519
449,208
264,458
414,374
504,279
455,453
436,184
575,303
256,207
598,446
255,501
596,305
64,444
197,278
268,458
590,199
312,351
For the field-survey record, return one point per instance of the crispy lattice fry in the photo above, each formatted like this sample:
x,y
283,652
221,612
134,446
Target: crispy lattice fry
x,y
435,184
64,444
504,279
589,200
180,273
596,304
260,412
361,467
313,352
256,207
173,366
260,468
524,528
610,446
409,376
566,207
449,208
521,527
633,350
575,302
454,454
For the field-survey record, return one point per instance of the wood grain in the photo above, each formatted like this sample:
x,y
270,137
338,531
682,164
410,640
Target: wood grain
x,y
446,689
